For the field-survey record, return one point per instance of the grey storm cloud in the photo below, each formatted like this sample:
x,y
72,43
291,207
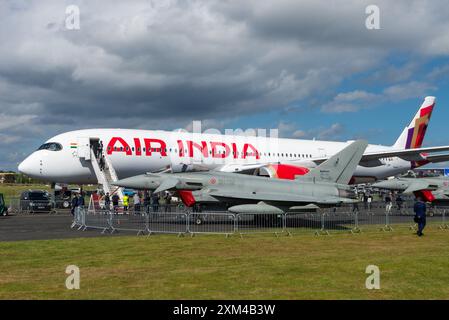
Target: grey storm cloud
x,y
161,64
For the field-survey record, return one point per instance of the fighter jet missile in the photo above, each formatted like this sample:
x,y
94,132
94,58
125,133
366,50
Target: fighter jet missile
x,y
392,184
261,208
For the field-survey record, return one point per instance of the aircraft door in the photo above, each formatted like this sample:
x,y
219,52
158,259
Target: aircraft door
x,y
84,147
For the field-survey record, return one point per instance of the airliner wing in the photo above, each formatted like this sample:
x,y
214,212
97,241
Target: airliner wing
x,y
417,154
438,158
368,159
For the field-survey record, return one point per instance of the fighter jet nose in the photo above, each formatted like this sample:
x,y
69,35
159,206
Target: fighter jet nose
x,y
138,182
126,183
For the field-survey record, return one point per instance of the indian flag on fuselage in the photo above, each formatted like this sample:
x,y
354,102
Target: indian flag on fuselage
x,y
73,145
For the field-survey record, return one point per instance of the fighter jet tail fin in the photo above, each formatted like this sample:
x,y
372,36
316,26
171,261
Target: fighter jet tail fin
x,y
340,167
413,135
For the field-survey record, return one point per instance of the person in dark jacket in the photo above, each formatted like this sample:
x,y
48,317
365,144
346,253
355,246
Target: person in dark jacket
x,y
107,201
399,202
155,202
420,215
74,204
80,201
115,199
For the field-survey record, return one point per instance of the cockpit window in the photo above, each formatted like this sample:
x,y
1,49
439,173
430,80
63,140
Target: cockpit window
x,y
52,146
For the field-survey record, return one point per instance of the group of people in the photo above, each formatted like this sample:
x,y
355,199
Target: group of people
x,y
77,202
114,199
141,202
389,202
98,150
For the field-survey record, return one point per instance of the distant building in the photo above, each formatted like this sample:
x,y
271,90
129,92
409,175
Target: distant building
x,y
7,177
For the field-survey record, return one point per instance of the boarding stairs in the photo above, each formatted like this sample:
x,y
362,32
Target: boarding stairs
x,y
107,176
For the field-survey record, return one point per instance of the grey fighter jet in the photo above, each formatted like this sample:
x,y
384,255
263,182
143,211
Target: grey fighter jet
x,y
325,185
430,189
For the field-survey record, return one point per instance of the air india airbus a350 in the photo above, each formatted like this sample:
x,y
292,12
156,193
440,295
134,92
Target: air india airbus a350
x,y
68,157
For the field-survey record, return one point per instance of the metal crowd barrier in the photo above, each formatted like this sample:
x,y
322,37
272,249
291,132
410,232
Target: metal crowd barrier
x,y
177,223
259,223
212,222
226,223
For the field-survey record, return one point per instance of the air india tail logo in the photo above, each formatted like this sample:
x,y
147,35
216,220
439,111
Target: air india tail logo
x,y
416,134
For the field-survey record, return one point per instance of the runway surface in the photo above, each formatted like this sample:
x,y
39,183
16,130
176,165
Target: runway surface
x,y
57,226
41,227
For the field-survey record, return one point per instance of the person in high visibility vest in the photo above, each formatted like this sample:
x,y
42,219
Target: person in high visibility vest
x,y
125,203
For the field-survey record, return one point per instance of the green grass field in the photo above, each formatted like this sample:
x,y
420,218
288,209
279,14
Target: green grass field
x,y
215,267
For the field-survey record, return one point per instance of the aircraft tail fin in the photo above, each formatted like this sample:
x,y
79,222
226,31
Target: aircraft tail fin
x,y
340,167
413,135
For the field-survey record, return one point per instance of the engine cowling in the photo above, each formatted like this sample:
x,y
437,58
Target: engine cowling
x,y
281,171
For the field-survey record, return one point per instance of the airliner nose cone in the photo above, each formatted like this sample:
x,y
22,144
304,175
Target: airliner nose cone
x,y
24,167
29,167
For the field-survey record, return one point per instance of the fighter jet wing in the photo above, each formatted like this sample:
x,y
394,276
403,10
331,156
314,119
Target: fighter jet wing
x,y
417,186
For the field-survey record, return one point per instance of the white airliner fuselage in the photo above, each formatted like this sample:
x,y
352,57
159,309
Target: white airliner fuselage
x,y
134,152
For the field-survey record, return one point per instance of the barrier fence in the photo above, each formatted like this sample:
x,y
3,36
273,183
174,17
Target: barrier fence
x,y
181,223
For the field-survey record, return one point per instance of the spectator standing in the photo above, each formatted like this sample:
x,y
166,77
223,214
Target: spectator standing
x,y
115,200
369,200
136,201
167,199
420,215
107,201
146,201
74,204
80,202
365,201
388,203
399,202
155,201
125,203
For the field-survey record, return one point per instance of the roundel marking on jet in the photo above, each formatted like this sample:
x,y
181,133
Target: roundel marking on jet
x,y
213,180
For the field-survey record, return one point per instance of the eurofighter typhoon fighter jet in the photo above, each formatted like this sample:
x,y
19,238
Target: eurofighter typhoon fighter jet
x,y
431,189
325,185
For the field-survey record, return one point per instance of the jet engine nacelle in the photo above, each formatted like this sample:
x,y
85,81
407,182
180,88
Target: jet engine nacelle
x,y
281,171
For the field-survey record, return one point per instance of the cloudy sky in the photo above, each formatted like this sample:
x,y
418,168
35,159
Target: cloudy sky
x,y
309,68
